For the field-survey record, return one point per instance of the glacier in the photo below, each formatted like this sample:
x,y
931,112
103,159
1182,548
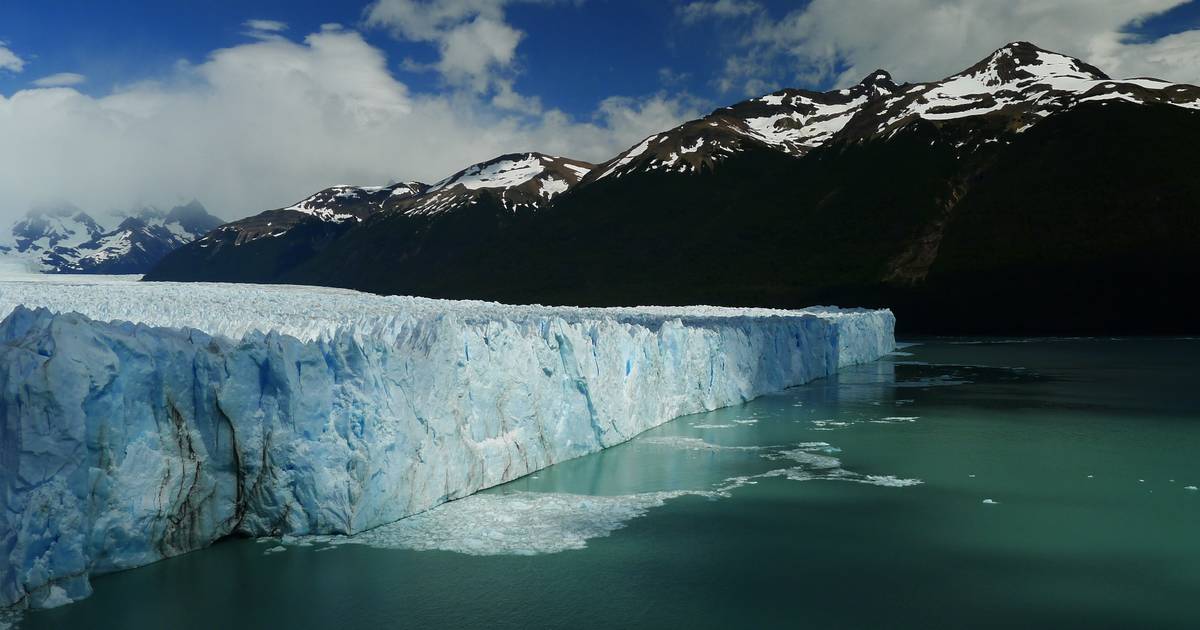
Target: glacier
x,y
139,421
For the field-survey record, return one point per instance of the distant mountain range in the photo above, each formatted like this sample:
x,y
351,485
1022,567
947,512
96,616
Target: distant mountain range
x,y
65,239
1028,193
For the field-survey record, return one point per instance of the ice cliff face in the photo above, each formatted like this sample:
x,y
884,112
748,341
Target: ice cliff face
x,y
256,410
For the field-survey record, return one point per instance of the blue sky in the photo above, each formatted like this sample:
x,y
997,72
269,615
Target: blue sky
x,y
140,101
574,54
608,46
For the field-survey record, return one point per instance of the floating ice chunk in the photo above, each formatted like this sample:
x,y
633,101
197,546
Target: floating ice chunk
x,y
1191,488
57,597
528,523
694,444
896,419
936,381
813,466
889,481
517,523
990,502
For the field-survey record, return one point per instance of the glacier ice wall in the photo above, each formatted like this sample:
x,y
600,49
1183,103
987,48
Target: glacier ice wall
x,y
257,411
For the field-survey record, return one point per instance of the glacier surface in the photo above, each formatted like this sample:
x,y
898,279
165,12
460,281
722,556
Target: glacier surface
x,y
139,421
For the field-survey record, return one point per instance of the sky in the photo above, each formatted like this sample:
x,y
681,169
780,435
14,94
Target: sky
x,y
254,104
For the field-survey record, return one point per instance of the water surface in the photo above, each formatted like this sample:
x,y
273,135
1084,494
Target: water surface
x,y
1026,483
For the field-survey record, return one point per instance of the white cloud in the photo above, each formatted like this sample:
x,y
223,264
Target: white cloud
x,y
747,75
260,125
470,51
477,47
507,98
696,11
9,60
921,40
61,79
270,26
428,20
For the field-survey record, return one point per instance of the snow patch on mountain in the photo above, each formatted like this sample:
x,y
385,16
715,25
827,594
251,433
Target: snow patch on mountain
x,y
813,128
552,186
523,181
328,204
629,156
499,174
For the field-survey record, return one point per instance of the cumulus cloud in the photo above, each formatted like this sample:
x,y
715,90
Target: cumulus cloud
x,y
832,41
9,60
262,124
60,80
476,45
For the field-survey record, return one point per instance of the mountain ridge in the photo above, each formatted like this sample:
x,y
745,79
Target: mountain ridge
x,y
635,229
65,239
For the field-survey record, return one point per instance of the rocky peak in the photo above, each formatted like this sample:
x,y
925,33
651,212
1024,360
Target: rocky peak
x,y
878,82
1021,62
515,180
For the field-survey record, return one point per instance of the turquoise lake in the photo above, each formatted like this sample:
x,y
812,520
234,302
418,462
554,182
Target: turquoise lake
x,y
1008,483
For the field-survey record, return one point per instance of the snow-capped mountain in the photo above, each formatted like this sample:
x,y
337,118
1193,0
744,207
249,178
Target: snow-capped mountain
x,y
518,181
1010,91
1013,89
789,121
336,208
355,203
65,239
45,228
495,190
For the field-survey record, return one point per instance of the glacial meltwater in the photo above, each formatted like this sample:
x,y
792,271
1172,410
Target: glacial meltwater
x,y
1018,483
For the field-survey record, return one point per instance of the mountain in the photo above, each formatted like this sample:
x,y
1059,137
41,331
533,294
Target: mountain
x,y
1028,193
259,248
64,239
522,181
50,227
450,216
791,122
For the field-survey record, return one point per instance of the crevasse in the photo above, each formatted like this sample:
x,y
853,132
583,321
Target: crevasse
x,y
139,421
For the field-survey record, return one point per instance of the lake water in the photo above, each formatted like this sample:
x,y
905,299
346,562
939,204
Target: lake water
x,y
1043,483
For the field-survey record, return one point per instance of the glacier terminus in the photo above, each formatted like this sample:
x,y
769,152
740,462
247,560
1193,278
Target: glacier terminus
x,y
140,421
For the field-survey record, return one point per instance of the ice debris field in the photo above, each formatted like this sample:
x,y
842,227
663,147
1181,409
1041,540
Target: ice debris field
x,y
144,420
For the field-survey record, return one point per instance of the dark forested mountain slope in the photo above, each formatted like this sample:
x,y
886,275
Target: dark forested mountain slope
x,y
1028,193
